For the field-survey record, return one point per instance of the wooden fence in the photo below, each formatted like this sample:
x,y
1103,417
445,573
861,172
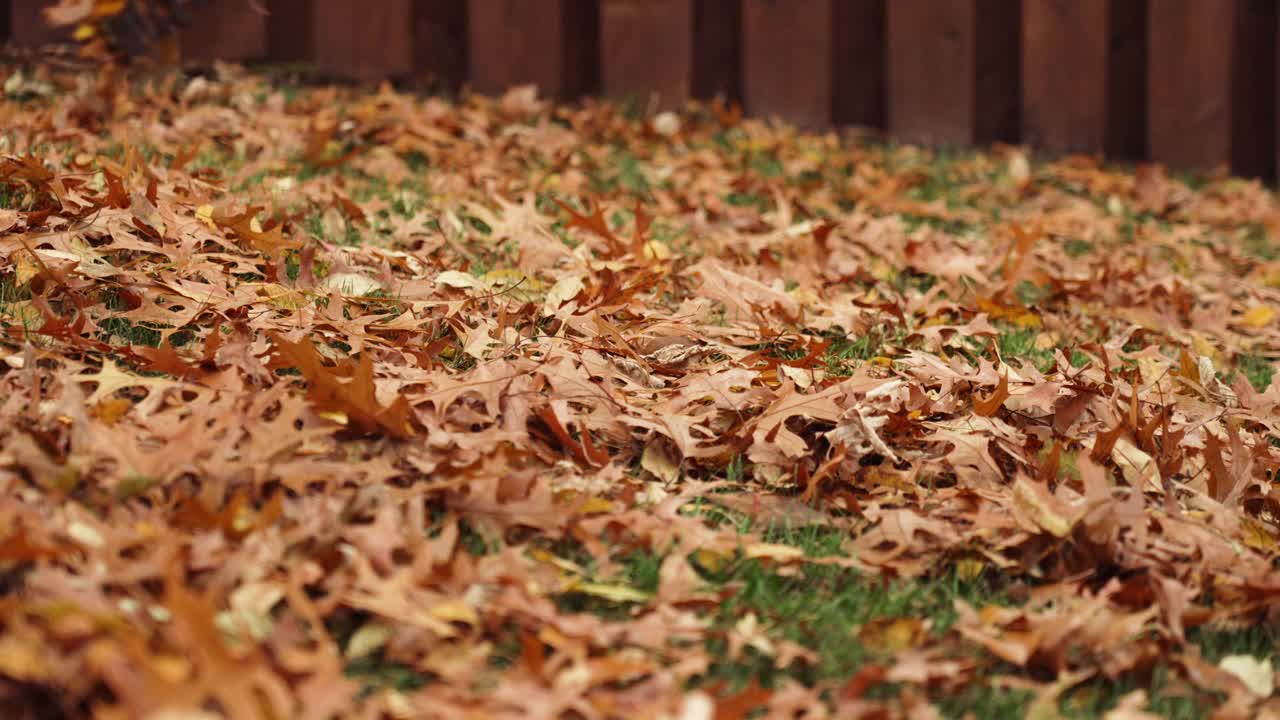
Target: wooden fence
x,y
1191,83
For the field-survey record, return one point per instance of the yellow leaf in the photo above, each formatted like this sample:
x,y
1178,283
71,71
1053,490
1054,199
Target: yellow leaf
x,y
22,659
107,8
657,460
881,270
774,551
1255,674
594,505
112,410
969,568
1039,506
710,561
565,566
282,297
610,592
336,416
1203,346
456,611
1154,369
204,214
654,250
84,32
1257,534
565,289
366,640
25,268
1015,314
893,635
514,283
1258,316
1138,467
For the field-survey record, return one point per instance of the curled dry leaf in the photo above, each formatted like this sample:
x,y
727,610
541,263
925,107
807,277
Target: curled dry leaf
x,y
321,402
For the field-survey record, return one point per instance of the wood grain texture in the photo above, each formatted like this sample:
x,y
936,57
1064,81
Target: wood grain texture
x,y
786,60
368,41
1212,84
953,70
647,50
551,43
224,31
439,44
384,39
1083,76
1065,50
931,69
1253,90
1189,82
333,40
1127,80
858,62
290,30
27,26
717,49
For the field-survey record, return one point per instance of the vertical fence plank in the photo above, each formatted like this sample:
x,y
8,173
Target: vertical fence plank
x,y
366,41
28,27
786,60
953,70
551,43
1253,126
290,30
646,50
384,39
1083,76
1127,80
1065,47
1210,89
858,66
717,49
225,31
439,43
1189,82
671,49
333,41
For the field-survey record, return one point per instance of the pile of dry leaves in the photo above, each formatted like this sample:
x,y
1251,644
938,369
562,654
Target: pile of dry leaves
x,y
294,378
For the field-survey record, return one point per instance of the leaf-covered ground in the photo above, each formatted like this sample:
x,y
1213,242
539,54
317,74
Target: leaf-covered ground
x,y
317,403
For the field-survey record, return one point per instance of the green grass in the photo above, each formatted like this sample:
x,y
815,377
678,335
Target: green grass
x,y
1168,695
837,613
846,352
987,702
1257,369
1029,293
840,615
1257,243
375,672
1021,345
824,608
1075,247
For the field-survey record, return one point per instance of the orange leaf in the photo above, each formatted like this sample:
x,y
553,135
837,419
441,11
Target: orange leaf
x,y
988,407
594,223
329,389
264,241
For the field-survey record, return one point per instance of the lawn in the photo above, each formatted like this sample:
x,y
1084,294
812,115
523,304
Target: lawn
x,y
321,402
